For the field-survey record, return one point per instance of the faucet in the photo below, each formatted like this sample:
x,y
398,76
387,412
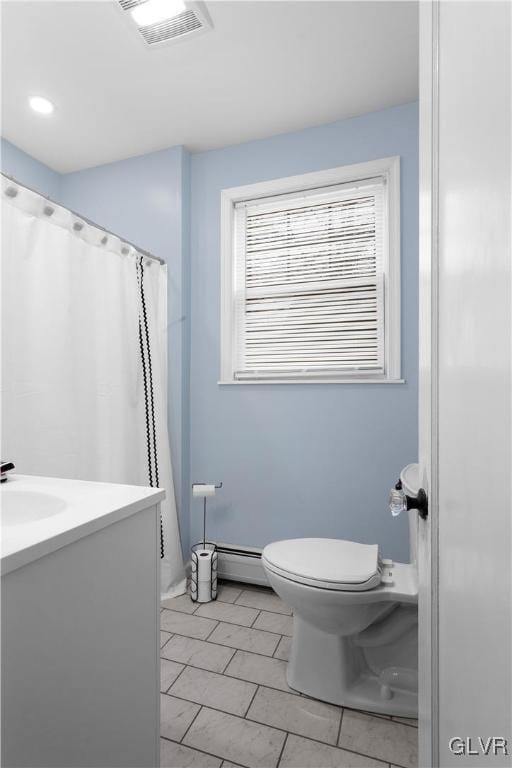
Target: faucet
x,y
5,466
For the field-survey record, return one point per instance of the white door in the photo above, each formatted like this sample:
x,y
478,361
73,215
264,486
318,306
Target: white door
x,y
465,398
427,543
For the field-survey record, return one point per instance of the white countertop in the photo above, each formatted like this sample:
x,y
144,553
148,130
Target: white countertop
x,y
84,507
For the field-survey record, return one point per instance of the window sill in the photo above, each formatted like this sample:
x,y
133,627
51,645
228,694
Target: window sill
x,y
244,382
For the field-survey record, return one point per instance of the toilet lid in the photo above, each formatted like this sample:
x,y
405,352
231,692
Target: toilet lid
x,y
326,563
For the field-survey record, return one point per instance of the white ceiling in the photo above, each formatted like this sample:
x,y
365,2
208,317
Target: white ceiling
x,y
266,68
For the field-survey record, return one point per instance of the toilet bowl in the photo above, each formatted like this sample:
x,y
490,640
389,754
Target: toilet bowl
x,y
355,629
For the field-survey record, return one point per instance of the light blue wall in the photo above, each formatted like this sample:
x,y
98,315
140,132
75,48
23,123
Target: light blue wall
x,y
29,171
301,459
185,371
296,460
145,199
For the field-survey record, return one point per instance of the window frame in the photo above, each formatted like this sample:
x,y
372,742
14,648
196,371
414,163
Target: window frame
x,y
387,168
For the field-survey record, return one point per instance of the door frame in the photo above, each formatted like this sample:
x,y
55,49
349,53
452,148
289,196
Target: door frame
x,y
428,585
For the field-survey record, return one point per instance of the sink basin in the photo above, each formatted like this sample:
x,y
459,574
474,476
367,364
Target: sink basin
x,y
22,507
39,515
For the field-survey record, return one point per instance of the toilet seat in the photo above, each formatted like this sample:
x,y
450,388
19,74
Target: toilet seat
x,y
332,564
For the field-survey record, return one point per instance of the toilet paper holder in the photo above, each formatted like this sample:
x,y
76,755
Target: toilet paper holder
x,y
197,489
203,577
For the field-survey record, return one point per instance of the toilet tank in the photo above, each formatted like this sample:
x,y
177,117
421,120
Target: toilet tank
x,y
413,535
410,478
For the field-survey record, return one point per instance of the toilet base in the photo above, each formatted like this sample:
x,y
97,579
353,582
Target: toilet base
x,y
333,669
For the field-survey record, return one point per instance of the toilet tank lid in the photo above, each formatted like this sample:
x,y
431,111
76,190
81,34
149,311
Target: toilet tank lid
x,y
328,560
410,478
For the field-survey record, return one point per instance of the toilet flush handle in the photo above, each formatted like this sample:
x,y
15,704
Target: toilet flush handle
x,y
400,502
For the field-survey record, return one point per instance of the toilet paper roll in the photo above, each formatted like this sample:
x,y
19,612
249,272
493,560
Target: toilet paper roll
x,y
204,564
206,574
204,592
202,490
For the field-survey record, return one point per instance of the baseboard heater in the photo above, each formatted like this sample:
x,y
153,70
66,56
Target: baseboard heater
x,y
240,564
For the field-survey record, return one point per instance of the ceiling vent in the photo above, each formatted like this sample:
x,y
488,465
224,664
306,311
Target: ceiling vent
x,y
190,22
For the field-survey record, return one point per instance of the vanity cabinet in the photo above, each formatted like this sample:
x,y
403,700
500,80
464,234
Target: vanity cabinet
x,y
80,643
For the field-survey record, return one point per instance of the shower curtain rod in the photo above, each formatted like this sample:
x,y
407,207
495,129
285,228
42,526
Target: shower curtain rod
x,y
84,218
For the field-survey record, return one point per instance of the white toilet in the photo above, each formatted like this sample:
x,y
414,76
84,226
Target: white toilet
x,y
355,630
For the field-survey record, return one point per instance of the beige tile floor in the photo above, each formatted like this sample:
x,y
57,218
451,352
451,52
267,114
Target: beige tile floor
x,y
225,702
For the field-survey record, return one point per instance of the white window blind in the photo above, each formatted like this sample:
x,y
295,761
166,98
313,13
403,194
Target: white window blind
x,y
308,281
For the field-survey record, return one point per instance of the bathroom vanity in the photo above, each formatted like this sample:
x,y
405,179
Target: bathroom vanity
x,y
80,621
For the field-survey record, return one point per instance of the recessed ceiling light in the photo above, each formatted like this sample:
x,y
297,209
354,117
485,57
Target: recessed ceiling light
x,y
41,105
155,11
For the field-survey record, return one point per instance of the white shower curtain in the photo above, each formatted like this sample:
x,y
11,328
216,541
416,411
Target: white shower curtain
x,y
84,357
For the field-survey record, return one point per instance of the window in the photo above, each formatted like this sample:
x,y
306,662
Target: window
x,y
311,277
